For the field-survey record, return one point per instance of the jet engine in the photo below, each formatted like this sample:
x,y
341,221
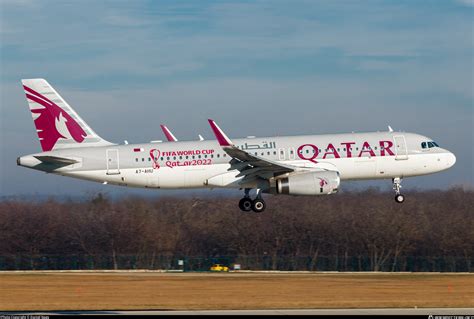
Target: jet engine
x,y
309,183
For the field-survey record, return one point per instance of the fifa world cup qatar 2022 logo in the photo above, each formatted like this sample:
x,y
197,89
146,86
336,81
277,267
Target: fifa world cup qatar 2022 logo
x,y
155,155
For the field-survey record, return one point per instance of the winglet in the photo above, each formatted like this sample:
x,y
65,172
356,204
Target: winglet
x,y
169,136
220,135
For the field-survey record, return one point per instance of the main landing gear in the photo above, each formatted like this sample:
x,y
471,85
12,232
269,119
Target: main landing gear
x,y
246,204
397,185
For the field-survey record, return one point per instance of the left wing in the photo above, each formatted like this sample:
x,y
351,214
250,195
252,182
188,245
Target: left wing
x,y
250,166
169,136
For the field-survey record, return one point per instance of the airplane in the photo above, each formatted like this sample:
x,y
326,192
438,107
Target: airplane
x,y
283,165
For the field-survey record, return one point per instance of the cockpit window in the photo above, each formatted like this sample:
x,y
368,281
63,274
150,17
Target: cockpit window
x,y
429,144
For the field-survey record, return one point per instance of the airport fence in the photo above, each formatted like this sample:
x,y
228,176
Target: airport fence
x,y
244,262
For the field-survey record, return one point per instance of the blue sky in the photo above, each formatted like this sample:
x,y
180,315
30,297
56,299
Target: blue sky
x,y
258,67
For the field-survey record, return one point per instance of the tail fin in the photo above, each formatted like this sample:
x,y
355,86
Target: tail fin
x,y
57,124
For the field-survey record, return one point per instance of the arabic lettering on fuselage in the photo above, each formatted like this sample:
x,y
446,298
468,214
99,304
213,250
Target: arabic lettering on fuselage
x,y
264,145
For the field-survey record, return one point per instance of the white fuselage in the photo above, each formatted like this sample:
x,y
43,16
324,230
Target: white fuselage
x,y
193,164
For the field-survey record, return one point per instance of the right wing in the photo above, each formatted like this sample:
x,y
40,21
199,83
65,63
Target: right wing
x,y
251,167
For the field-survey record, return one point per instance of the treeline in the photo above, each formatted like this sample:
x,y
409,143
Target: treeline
x,y
355,231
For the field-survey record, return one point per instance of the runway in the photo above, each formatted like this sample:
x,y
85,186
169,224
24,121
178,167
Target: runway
x,y
275,312
261,293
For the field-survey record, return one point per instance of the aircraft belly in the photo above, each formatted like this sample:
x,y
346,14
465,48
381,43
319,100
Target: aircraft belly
x,y
209,172
190,176
354,168
171,177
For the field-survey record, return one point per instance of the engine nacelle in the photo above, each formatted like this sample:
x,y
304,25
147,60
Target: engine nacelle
x,y
309,183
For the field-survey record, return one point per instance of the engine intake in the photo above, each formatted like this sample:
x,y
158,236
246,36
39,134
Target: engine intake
x,y
309,183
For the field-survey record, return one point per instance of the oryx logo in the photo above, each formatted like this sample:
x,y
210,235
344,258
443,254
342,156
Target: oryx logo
x,y
52,122
322,183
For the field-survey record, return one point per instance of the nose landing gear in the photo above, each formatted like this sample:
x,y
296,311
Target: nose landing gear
x,y
399,198
246,204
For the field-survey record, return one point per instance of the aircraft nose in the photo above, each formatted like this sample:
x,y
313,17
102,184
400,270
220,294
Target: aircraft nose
x,y
450,159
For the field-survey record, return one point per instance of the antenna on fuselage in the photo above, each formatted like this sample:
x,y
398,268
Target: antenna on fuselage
x,y
390,129
200,137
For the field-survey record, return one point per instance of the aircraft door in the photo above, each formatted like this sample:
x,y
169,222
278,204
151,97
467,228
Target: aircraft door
x,y
400,147
112,162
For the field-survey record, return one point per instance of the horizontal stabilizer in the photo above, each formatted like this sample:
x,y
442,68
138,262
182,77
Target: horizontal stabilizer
x,y
56,160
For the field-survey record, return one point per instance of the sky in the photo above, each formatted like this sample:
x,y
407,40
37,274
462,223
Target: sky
x,y
257,67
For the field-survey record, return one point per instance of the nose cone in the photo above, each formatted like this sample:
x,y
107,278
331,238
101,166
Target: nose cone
x,y
450,159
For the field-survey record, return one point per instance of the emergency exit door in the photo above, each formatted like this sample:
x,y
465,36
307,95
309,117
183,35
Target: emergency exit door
x,y
112,162
400,147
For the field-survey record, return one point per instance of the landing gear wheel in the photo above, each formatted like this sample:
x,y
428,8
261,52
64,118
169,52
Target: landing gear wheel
x,y
399,198
245,204
258,205
397,185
